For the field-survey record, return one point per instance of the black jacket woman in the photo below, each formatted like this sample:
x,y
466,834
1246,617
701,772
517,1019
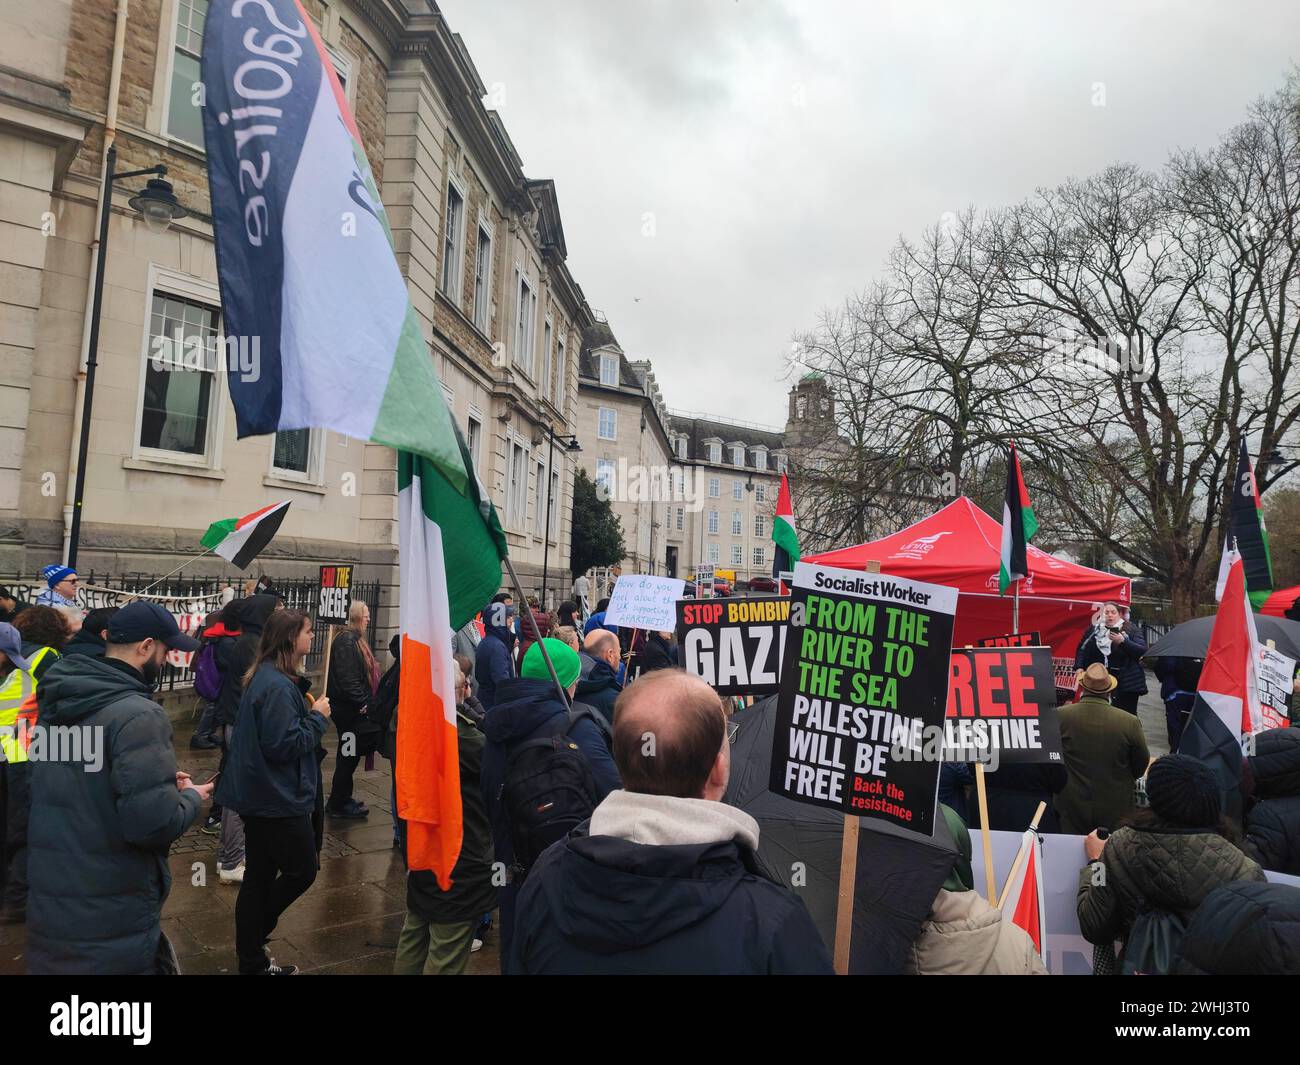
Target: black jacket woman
x,y
1119,645
351,685
1273,819
272,780
1168,857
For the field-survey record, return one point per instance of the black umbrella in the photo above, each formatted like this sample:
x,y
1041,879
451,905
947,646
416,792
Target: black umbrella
x,y
1191,639
898,874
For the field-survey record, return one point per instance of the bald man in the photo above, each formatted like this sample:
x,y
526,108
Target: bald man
x,y
663,878
598,684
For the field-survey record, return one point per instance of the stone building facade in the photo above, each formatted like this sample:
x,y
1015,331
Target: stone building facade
x,y
480,244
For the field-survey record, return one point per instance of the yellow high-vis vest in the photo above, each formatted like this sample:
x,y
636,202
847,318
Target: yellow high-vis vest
x,y
19,688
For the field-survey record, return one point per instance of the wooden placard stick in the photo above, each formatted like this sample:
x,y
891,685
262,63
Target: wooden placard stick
x,y
848,873
1015,866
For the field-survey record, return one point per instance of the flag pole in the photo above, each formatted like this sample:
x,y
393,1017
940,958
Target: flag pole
x,y
174,572
1015,608
1020,856
537,636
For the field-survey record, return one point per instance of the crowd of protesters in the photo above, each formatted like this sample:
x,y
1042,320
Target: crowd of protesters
x,y
592,775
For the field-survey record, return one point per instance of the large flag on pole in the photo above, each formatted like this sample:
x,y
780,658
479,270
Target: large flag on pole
x,y
240,540
1024,900
319,329
1247,535
784,536
1227,697
451,551
1018,526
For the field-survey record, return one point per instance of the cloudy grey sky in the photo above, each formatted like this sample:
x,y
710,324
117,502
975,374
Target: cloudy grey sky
x,y
725,168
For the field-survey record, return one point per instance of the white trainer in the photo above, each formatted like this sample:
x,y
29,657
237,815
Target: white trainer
x,y
232,876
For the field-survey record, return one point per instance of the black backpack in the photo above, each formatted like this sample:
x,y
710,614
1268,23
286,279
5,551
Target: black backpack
x,y
548,790
383,710
1154,943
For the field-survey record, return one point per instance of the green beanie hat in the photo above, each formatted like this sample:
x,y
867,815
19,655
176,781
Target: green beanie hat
x,y
563,657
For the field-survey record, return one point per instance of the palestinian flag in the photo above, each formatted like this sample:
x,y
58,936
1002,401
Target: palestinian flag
x,y
1023,899
1227,698
1247,535
451,547
240,540
783,534
1018,526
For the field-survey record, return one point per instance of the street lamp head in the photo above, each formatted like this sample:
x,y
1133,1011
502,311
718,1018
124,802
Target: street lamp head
x,y
157,204
573,445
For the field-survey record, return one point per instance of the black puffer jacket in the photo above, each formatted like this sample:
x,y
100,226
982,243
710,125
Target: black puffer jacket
x,y
1167,867
1273,822
99,840
599,904
1244,929
1124,661
235,657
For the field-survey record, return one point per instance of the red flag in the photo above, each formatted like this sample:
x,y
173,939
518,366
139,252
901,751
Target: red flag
x,y
1023,899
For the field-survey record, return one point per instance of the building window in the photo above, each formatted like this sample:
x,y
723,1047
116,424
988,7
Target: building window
x,y
760,458
681,447
483,279
713,522
608,429
296,454
546,361
737,555
715,452
453,242
738,454
760,525
525,325
474,438
609,369
760,493
605,476
539,505
184,119
557,387
681,518
553,528
180,373
715,488
759,562
737,488
517,489
713,553
780,463
737,523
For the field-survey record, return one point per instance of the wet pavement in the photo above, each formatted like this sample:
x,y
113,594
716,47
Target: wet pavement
x,y
347,922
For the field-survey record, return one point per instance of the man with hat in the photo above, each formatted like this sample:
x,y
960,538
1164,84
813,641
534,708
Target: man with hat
x,y
1105,752
107,802
531,707
61,587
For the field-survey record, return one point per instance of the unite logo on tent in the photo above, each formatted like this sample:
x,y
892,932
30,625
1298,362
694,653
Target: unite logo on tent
x,y
921,546
1026,585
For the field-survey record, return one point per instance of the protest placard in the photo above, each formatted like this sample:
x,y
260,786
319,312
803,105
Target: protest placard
x,y
736,645
1002,704
1012,639
704,582
334,595
1276,673
863,687
641,601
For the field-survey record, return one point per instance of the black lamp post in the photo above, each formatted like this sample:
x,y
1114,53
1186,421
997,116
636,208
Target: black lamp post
x,y
572,446
157,204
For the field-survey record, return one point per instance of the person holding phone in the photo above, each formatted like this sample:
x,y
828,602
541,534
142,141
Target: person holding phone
x,y
106,811
272,780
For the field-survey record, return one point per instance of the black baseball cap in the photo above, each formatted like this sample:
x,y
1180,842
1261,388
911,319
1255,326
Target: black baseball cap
x,y
143,620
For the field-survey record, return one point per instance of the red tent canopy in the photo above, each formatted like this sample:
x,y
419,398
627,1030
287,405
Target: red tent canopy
x,y
959,546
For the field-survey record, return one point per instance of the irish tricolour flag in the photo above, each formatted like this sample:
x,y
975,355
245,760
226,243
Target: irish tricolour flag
x,y
319,330
1018,526
240,540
